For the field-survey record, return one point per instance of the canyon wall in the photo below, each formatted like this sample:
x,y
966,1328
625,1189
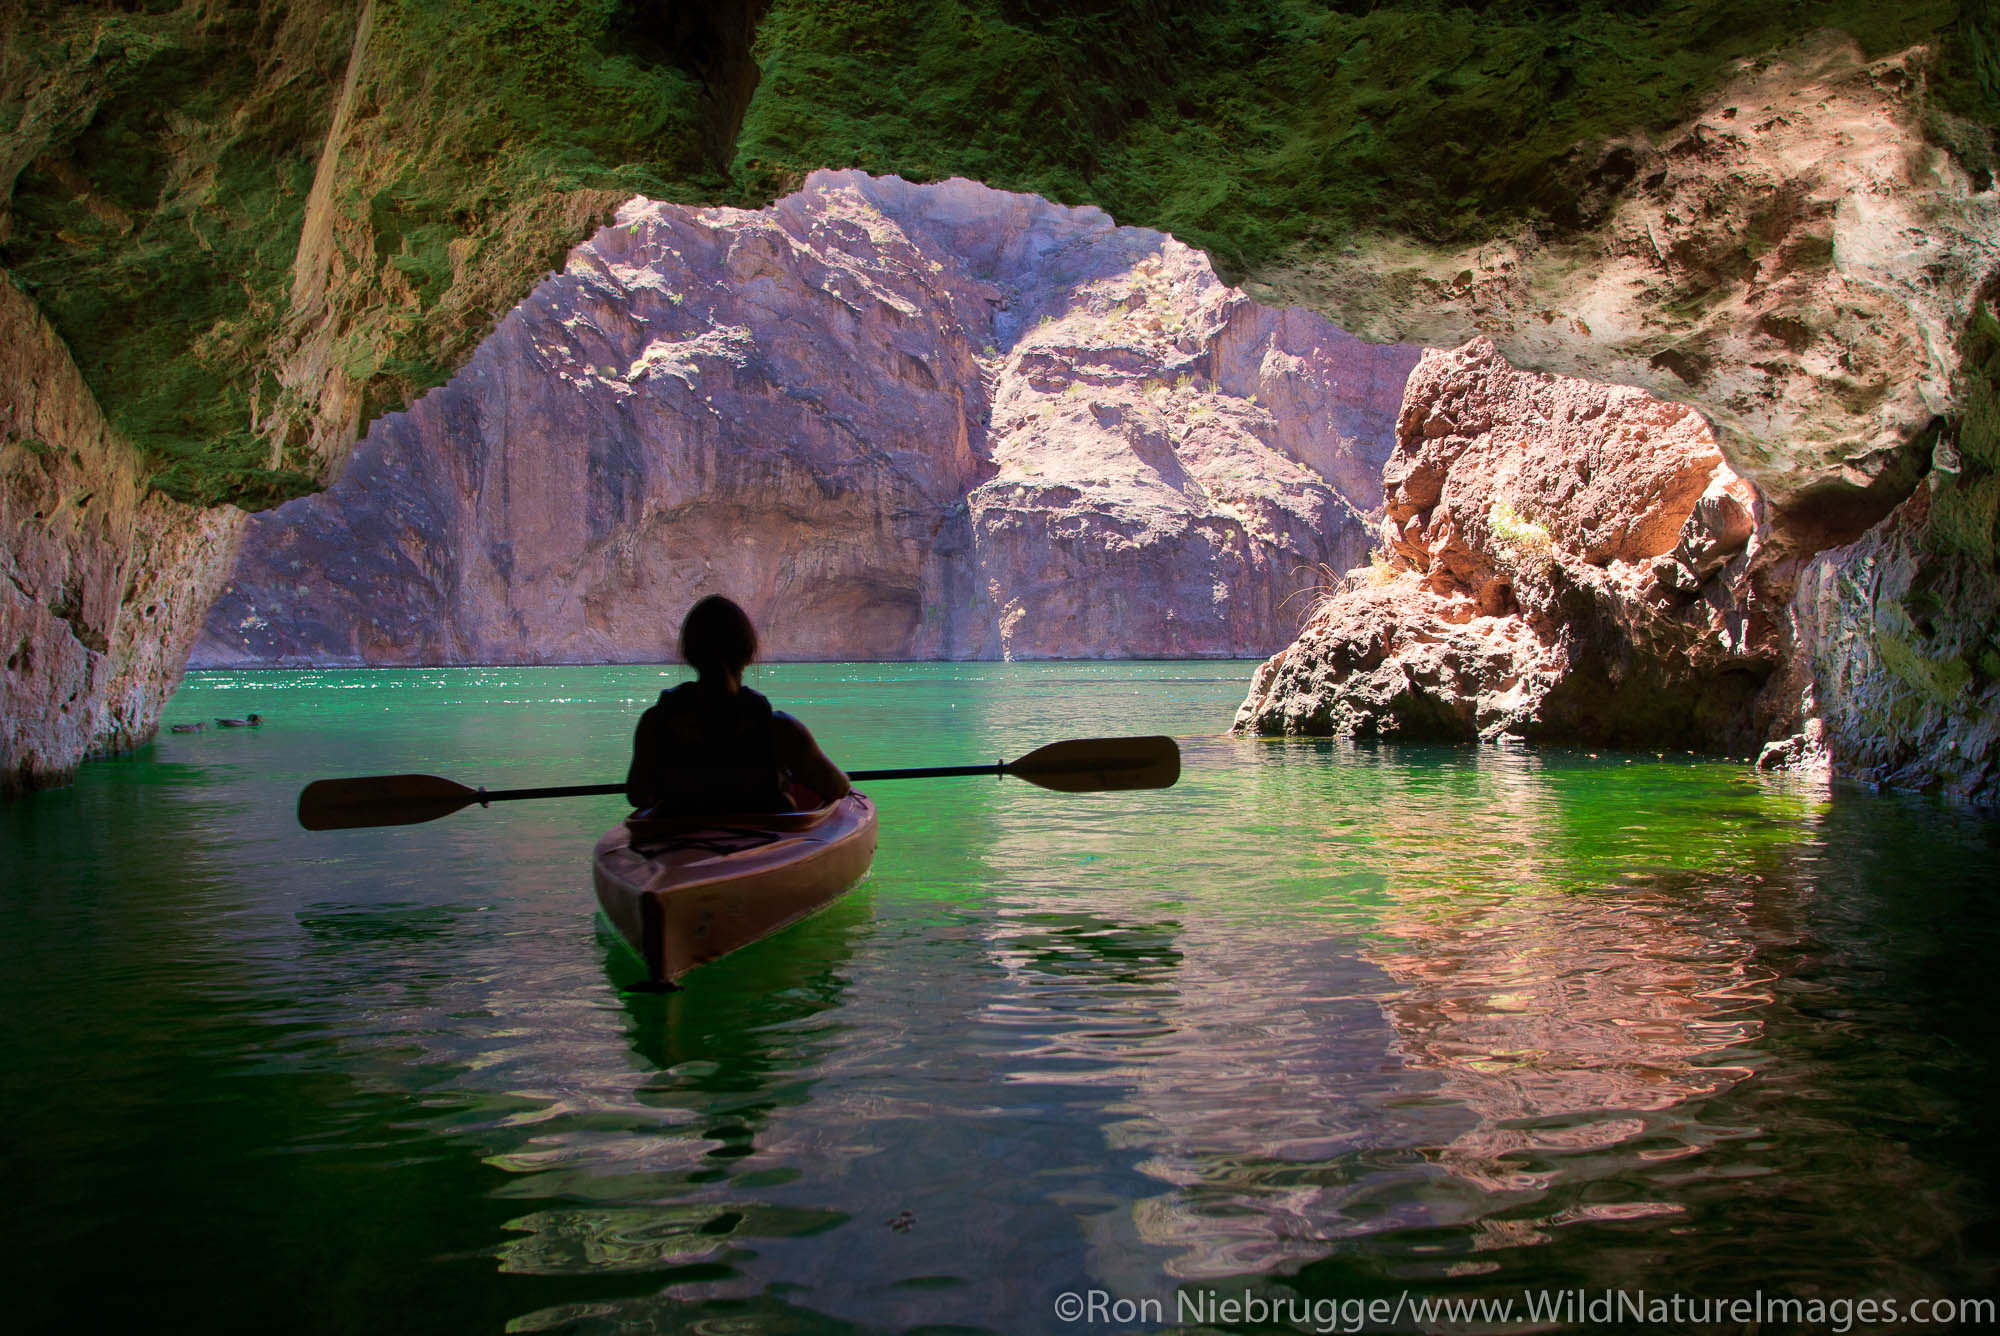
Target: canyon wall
x,y
1573,562
257,227
1806,263
894,421
107,582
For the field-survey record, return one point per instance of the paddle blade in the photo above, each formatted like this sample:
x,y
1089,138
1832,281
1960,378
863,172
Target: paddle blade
x,y
1100,765
380,800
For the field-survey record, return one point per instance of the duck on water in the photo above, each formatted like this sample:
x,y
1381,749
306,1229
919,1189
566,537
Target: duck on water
x,y
249,721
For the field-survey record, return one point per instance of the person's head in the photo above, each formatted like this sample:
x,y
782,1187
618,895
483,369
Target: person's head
x,y
717,639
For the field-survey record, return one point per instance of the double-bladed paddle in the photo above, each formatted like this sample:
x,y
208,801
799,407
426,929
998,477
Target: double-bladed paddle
x,y
1081,765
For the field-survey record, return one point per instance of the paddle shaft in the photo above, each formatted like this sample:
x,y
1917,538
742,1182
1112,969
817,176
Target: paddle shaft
x,y
866,776
931,772
554,791
1081,765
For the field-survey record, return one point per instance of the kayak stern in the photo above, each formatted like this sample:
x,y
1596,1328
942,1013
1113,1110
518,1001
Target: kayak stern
x,y
684,894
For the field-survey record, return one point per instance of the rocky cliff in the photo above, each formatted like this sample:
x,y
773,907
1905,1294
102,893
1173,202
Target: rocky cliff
x,y
1562,560
257,226
107,582
895,421
1569,561
1807,266
1895,638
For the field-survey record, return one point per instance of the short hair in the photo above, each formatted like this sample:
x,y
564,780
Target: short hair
x,y
717,637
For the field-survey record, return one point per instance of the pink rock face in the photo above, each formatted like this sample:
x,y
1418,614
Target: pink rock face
x,y
893,421
1491,461
1564,559
107,582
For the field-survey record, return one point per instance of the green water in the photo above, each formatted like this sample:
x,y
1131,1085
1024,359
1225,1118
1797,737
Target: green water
x,y
1322,1023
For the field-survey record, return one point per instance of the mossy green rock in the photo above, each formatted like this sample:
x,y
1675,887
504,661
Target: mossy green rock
x,y
1249,128
258,226
223,303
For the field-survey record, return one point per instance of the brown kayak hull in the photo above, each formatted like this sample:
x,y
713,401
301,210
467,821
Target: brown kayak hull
x,y
685,893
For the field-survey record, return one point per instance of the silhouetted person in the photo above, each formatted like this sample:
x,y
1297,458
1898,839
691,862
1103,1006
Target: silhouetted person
x,y
714,745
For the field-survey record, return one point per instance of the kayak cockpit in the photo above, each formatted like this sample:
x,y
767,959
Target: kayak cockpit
x,y
686,890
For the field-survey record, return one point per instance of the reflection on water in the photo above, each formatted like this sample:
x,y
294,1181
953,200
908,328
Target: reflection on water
x,y
701,1114
1335,1020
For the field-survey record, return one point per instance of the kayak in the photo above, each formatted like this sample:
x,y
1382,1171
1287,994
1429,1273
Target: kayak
x,y
685,892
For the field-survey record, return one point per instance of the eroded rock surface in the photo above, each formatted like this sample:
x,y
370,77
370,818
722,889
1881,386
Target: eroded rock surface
x,y
298,236
1895,669
1796,261
1561,560
894,421
107,582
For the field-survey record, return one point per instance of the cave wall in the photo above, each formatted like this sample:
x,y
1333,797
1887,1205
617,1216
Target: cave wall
x,y
1797,260
260,225
238,231
1812,263
107,581
257,227
1895,663
307,213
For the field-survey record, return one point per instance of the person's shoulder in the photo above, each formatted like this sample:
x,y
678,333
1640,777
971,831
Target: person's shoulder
x,y
672,700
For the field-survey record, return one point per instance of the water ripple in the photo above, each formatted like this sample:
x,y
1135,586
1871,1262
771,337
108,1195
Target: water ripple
x,y
1324,1017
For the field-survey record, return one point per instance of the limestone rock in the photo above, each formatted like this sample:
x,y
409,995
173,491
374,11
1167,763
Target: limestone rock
x,y
1795,262
107,582
1561,560
1803,753
894,421
1897,654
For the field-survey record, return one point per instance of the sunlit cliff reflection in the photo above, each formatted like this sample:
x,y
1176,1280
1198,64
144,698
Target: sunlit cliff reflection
x,y
1320,1017
1502,983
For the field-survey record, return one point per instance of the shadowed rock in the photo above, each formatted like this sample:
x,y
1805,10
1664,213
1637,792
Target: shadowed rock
x,y
1795,261
106,583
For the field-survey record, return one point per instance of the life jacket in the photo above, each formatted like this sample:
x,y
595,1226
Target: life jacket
x,y
702,750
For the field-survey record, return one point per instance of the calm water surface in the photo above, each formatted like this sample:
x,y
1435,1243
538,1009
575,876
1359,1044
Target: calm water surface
x,y
1322,1022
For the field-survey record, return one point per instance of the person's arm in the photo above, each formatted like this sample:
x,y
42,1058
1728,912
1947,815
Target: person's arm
x,y
638,776
806,762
